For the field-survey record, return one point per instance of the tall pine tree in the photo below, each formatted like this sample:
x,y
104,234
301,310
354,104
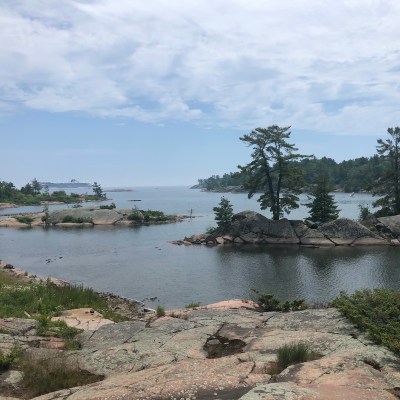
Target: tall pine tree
x,y
323,206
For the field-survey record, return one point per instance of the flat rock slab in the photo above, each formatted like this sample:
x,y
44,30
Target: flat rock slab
x,y
83,318
18,326
167,358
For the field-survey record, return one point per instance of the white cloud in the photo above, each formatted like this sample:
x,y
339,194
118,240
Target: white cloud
x,y
322,66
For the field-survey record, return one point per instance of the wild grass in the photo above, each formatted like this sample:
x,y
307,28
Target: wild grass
x,y
193,305
47,299
376,312
160,312
291,354
45,375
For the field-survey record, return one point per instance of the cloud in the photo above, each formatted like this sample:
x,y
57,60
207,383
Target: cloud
x,y
315,65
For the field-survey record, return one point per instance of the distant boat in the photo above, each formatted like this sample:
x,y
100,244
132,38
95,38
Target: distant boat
x,y
352,194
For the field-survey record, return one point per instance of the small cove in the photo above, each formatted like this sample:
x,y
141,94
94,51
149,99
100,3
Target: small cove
x,y
140,263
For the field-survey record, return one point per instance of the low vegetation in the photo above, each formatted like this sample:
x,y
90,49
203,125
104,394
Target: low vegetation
x,y
45,299
7,360
376,312
268,302
76,220
108,206
142,216
34,193
24,219
45,375
193,305
160,311
291,354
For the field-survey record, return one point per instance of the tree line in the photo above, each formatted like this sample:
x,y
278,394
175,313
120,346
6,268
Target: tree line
x,y
278,173
357,175
34,193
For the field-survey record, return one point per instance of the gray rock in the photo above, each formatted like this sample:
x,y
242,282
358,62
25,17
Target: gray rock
x,y
344,228
391,223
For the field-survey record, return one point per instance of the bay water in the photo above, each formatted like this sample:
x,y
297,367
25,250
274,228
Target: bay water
x,y
140,263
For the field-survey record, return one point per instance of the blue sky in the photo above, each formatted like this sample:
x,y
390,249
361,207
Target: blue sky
x,y
134,93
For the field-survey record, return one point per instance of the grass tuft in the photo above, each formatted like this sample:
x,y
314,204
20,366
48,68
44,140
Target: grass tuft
x,y
160,311
46,375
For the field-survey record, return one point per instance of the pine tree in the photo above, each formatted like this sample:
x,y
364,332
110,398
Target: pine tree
x,y
388,186
272,170
223,214
323,206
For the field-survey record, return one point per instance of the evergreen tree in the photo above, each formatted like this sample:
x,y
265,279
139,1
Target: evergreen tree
x,y
98,191
223,214
272,170
323,206
388,186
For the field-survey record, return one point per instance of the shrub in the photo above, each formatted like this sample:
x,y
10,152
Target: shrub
x,y
108,207
7,360
268,302
376,312
24,219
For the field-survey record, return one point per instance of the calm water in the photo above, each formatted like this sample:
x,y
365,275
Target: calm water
x,y
140,263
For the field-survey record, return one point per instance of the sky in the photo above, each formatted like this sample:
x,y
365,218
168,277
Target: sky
x,y
141,93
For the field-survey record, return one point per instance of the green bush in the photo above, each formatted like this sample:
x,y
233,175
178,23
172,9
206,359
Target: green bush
x,y
268,302
24,219
108,207
376,312
141,216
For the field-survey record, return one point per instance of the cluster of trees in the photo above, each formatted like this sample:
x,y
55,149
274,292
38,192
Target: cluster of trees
x,y
276,173
34,193
348,176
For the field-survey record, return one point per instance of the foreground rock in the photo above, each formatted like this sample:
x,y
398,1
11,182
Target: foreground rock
x,y
222,353
249,227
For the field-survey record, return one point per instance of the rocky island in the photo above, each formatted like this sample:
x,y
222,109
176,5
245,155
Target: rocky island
x,y
89,217
249,227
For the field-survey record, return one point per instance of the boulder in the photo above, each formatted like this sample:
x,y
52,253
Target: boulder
x,y
344,228
250,222
392,224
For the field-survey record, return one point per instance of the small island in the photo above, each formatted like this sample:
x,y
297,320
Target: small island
x,y
89,217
